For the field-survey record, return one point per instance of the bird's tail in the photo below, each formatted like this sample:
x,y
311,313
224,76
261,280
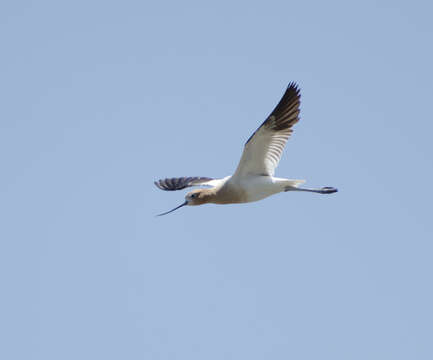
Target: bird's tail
x,y
290,184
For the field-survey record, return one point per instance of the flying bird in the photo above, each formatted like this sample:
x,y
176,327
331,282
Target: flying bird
x,y
254,178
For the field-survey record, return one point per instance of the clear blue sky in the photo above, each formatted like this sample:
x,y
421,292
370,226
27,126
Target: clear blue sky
x,y
101,98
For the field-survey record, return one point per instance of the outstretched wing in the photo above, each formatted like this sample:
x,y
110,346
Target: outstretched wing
x,y
263,150
171,184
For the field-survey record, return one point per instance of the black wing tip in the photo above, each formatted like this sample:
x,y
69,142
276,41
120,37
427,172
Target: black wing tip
x,y
293,87
172,184
161,184
293,84
168,184
291,95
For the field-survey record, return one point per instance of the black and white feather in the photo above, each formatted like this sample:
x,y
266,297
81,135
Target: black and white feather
x,y
172,184
263,150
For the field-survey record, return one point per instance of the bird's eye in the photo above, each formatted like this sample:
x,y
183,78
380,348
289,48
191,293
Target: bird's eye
x,y
193,196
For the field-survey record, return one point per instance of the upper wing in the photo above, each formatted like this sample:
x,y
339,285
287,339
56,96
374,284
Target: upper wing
x,y
183,182
262,151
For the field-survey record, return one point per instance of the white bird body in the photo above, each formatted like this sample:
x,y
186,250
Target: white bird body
x,y
251,188
260,187
254,178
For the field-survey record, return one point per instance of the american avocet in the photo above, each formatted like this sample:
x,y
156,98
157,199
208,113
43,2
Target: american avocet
x,y
254,177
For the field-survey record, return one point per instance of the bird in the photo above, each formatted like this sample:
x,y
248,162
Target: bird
x,y
253,179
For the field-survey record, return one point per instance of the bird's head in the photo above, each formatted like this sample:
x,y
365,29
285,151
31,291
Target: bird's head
x,y
195,197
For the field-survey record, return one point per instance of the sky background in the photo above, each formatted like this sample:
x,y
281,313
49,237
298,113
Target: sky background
x,y
101,98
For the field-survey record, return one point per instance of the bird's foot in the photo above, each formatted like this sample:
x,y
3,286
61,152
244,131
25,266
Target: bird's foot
x,y
328,190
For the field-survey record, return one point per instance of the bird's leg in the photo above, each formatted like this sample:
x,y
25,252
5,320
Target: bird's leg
x,y
323,190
